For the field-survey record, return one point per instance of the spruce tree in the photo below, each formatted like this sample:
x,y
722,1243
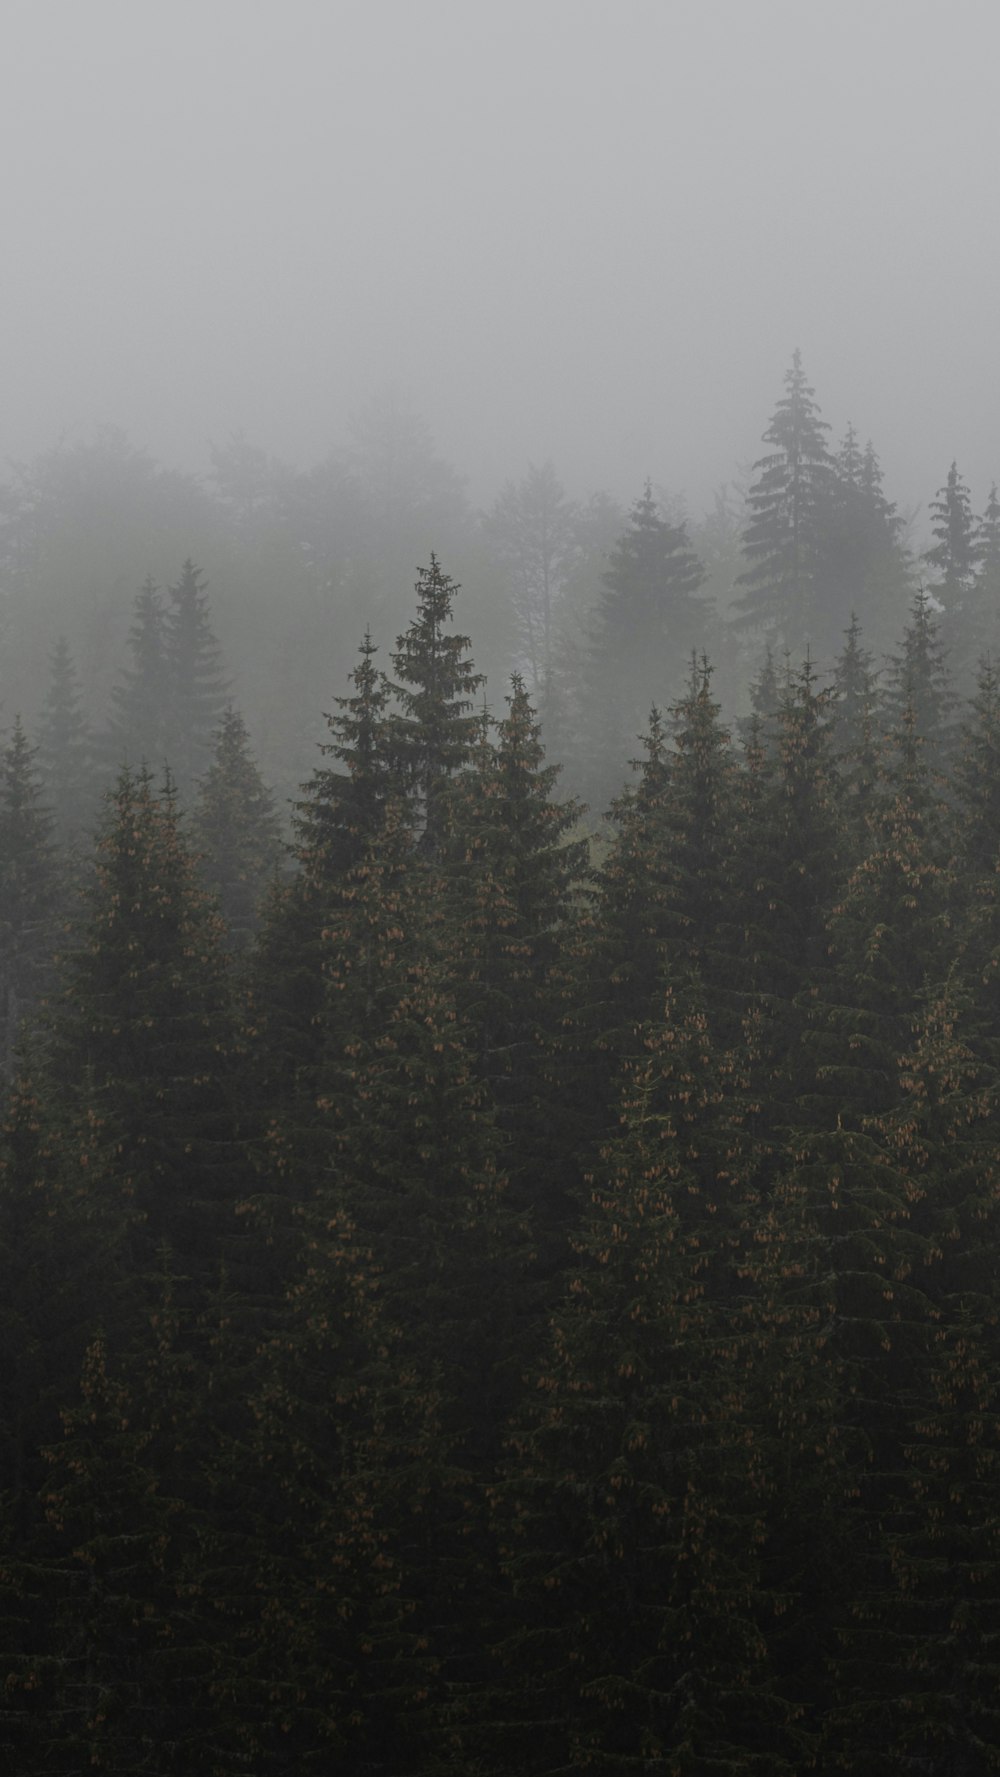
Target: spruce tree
x,y
140,1039
65,751
339,815
635,1498
954,557
29,889
140,725
785,534
196,684
235,829
529,527
918,689
432,732
648,622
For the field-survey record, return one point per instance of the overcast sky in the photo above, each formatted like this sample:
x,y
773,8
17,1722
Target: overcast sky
x,y
581,229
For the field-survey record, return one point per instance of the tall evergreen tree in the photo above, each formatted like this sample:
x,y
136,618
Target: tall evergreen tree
x,y
529,527
954,557
140,725
865,567
785,534
648,623
29,888
635,1498
140,1038
65,751
433,731
236,830
195,681
918,685
339,816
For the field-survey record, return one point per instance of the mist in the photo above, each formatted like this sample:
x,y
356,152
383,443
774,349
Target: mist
x,y
572,231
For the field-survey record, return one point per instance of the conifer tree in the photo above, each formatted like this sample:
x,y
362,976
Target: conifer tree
x,y
512,875
785,534
854,726
29,889
340,814
140,704
65,752
954,557
918,686
515,885
139,1041
635,1498
235,829
865,567
846,1209
125,1140
321,1657
979,632
196,685
926,1649
414,1159
529,526
648,622
433,731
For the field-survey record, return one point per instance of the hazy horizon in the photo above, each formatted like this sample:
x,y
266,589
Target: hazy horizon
x,y
566,230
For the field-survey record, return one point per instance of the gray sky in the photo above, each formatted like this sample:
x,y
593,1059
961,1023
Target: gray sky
x,y
570,228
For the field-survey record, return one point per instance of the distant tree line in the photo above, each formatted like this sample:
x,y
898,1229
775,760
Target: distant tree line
x,y
597,607
482,1298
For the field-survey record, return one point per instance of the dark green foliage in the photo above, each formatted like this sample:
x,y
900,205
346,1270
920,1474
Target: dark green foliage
x,y
559,1331
235,829
171,696
512,872
65,752
29,889
954,557
648,622
530,528
785,534
140,730
196,684
432,733
139,1041
918,689
636,1491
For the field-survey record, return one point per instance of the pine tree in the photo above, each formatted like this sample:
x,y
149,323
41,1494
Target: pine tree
x,y
196,684
955,556
865,568
647,624
918,688
854,726
979,632
139,1041
512,876
414,1158
929,1640
529,526
65,752
340,814
315,1642
235,829
140,726
433,732
635,1498
515,883
784,538
29,889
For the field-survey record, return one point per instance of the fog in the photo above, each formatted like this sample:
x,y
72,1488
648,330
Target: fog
x,y
572,230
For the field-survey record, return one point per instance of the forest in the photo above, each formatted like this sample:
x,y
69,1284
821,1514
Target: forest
x,y
499,1267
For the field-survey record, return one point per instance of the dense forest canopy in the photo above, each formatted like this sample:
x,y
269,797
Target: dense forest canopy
x,y
499,1267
